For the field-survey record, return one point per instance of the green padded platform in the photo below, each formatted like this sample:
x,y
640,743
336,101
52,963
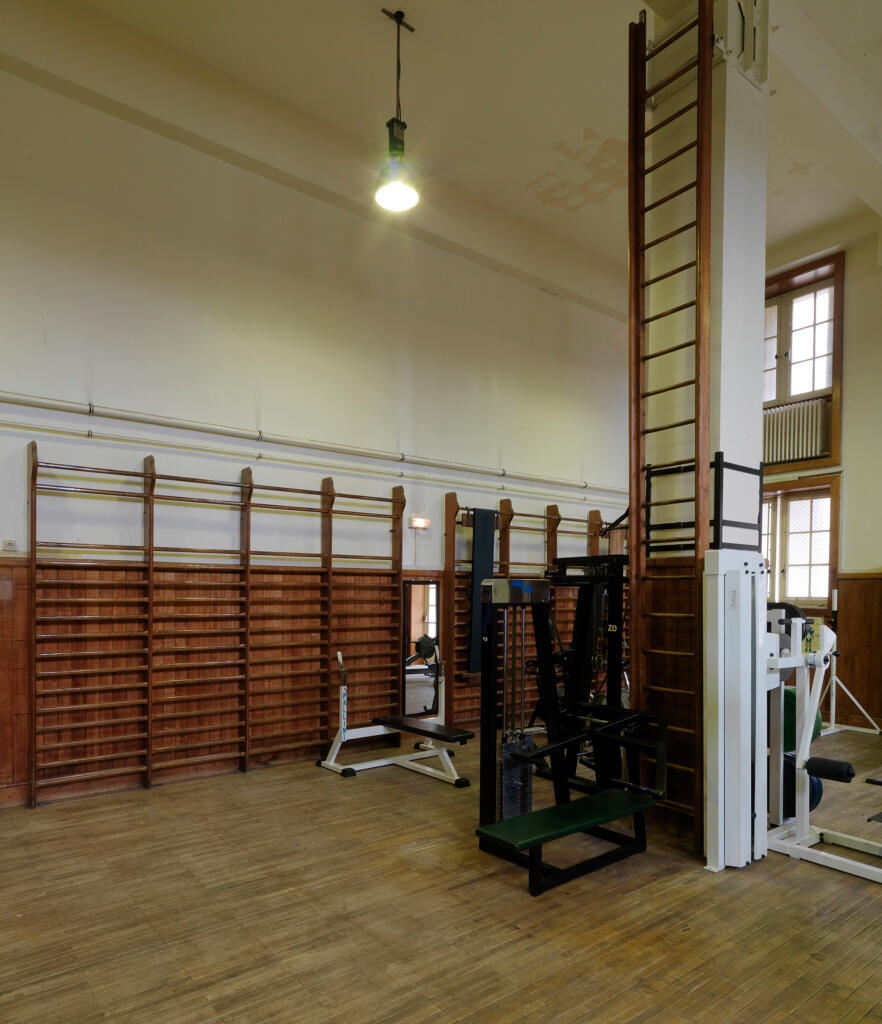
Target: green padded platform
x,y
549,823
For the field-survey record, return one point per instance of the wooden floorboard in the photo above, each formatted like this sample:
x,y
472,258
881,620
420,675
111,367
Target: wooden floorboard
x,y
291,894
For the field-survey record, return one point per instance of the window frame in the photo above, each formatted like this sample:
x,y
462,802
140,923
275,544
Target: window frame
x,y
826,269
809,486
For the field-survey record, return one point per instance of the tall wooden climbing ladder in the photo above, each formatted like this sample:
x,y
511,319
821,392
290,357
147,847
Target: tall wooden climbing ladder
x,y
669,213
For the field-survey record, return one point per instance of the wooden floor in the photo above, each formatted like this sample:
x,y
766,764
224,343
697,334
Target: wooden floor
x,y
293,895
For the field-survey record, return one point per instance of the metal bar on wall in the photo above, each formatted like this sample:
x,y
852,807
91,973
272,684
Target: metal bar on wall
x,y
34,465
247,480
149,540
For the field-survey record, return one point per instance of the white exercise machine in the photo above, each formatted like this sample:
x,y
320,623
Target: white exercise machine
x,y
797,837
433,728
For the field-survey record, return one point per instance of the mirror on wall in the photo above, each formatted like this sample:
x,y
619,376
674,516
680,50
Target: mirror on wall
x,y
420,647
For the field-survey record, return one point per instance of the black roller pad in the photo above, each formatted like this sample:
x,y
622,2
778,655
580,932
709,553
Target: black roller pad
x,y
827,768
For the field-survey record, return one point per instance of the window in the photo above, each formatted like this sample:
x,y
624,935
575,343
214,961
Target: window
x,y
800,542
799,345
802,370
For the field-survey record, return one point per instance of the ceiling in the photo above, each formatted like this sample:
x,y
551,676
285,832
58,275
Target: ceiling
x,y
521,104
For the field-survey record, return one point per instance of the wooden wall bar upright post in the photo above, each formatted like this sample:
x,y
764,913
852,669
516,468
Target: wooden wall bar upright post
x,y
595,523
702,380
506,514
617,538
398,504
552,524
148,541
637,332
34,466
448,601
247,493
327,561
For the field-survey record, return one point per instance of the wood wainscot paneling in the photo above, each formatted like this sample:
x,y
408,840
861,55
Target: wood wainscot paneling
x,y
859,641
14,676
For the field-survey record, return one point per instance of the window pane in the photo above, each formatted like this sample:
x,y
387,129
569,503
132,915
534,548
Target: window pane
x,y
802,345
824,304
799,514
797,582
798,549
769,388
820,514
820,548
771,319
823,373
801,378
771,352
820,579
765,517
823,339
804,311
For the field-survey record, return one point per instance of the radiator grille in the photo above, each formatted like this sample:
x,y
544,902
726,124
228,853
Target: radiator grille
x,y
797,431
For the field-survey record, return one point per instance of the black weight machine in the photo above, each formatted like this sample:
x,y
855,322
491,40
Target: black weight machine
x,y
573,719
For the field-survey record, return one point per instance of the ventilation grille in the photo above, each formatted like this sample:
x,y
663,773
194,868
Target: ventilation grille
x,y
797,431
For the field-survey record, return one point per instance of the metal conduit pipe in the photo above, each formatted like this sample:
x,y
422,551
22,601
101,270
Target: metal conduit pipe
x,y
108,412
259,456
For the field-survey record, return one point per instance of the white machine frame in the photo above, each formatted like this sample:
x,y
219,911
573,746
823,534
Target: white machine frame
x,y
797,837
735,797
424,749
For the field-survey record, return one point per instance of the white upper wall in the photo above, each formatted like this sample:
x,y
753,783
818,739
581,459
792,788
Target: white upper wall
x,y
177,245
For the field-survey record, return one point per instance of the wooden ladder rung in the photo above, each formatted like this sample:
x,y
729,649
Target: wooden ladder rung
x,y
685,69
661,391
670,501
668,465
668,120
667,351
671,195
668,273
668,426
680,808
674,728
667,653
661,576
670,615
669,234
665,43
669,689
669,312
673,764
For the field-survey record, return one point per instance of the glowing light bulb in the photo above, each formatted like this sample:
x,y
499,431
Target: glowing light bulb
x,y
395,189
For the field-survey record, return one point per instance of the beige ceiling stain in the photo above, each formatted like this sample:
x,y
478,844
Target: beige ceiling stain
x,y
588,174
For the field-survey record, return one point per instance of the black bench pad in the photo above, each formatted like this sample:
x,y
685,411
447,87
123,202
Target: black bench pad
x,y
537,827
421,727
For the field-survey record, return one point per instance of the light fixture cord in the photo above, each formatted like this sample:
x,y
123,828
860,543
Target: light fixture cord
x,y
398,68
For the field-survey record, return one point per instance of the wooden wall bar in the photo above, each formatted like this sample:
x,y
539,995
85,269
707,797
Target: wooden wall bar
x,y
137,663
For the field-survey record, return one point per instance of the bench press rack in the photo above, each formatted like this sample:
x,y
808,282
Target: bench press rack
x,y
433,728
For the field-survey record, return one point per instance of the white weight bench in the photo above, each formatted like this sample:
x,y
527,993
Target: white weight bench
x,y
433,728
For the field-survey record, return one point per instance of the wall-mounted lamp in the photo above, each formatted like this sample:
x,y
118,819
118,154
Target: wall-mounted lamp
x,y
420,523
395,189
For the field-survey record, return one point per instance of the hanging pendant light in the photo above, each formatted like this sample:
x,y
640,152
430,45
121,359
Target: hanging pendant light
x,y
396,190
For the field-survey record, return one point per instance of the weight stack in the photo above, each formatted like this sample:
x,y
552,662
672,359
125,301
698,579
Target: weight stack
x,y
514,780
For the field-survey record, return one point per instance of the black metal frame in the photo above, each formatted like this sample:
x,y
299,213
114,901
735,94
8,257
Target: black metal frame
x,y
569,723
718,523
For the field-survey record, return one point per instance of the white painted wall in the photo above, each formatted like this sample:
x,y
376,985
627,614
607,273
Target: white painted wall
x,y
143,267
861,537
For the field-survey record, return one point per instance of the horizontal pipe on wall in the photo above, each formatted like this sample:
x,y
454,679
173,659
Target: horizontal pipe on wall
x,y
309,464
108,412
